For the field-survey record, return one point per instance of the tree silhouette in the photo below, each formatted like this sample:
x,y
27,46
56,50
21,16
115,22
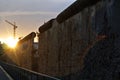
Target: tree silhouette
x,y
2,47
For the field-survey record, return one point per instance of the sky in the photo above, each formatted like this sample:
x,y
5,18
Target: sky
x,y
29,15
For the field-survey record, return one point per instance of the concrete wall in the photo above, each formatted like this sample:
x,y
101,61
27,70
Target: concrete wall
x,y
81,43
64,44
102,62
24,51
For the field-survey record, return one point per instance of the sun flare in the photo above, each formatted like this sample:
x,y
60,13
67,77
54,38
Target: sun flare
x,y
11,42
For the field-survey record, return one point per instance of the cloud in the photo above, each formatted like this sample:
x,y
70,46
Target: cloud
x,y
28,14
17,13
62,1
34,5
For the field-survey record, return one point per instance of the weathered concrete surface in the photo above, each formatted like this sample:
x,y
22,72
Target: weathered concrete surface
x,y
102,62
83,42
24,51
63,47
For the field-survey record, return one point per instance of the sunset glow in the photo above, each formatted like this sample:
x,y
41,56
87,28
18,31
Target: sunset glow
x,y
11,42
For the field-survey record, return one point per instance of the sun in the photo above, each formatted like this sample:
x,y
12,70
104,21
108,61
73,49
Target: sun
x,y
11,42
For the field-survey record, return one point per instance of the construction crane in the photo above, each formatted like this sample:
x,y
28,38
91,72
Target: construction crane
x,y
14,28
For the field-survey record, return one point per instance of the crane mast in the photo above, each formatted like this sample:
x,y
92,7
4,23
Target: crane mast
x,y
14,28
